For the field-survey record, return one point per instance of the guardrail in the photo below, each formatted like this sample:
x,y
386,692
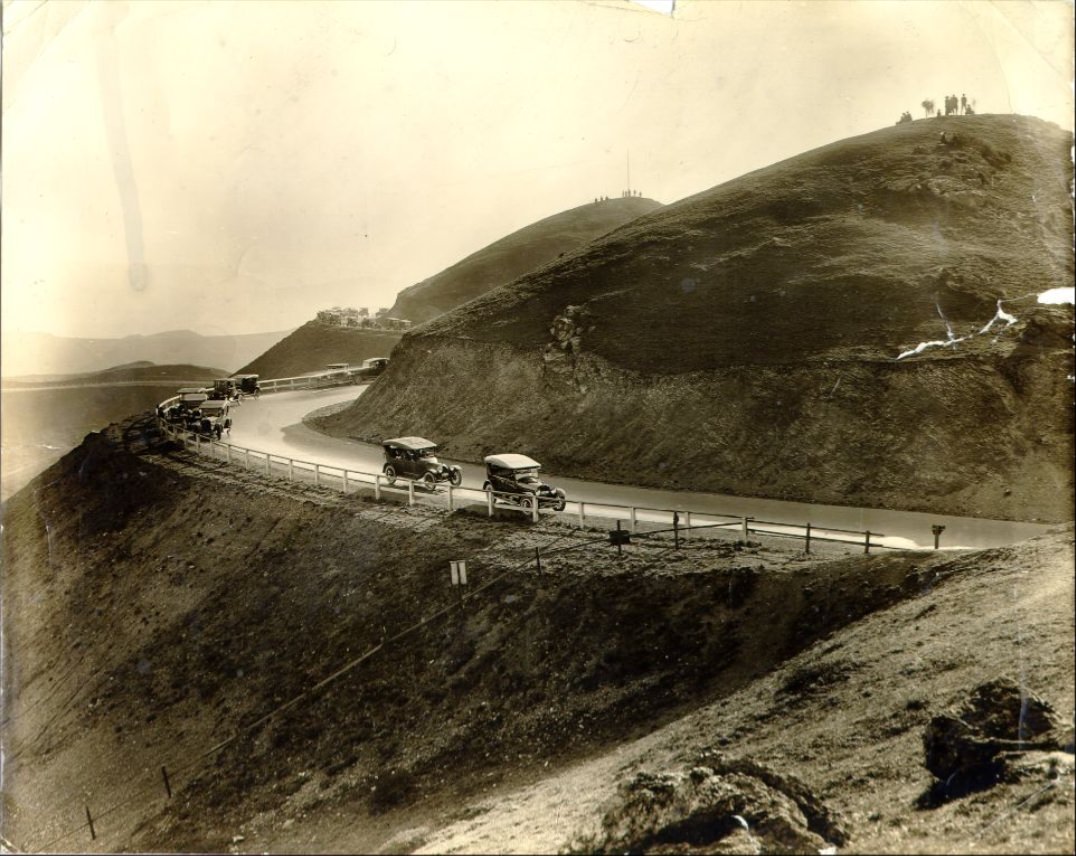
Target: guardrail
x,y
684,524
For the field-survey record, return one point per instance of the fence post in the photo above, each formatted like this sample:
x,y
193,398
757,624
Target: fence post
x,y
377,485
582,514
489,501
633,518
450,496
746,529
246,458
268,464
807,548
534,509
291,470
345,480
676,530
317,475
867,542
687,524
228,452
410,491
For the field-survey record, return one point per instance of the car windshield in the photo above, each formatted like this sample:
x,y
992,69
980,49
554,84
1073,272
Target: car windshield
x,y
527,476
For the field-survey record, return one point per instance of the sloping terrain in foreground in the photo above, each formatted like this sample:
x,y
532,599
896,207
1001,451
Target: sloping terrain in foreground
x,y
315,345
746,340
516,254
297,662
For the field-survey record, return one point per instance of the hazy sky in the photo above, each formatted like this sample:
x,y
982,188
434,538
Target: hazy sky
x,y
233,167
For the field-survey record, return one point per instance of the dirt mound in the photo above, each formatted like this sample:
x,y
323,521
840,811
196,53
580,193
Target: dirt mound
x,y
514,255
746,340
971,747
720,806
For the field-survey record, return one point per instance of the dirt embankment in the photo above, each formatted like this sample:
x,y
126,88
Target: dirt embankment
x,y
156,605
983,433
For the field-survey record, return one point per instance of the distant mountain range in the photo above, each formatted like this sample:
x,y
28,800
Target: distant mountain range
x,y
40,355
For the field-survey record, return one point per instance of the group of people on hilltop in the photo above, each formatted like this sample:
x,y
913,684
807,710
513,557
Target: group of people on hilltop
x,y
958,105
953,105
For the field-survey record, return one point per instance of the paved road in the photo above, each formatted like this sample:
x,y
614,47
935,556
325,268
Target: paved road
x,y
273,424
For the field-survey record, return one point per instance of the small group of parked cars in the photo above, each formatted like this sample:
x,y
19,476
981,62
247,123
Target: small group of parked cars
x,y
512,478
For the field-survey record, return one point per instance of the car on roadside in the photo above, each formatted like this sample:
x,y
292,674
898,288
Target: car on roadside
x,y
415,458
514,479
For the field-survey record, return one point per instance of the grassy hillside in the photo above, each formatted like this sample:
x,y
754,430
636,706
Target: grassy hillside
x,y
154,624
516,254
746,339
315,344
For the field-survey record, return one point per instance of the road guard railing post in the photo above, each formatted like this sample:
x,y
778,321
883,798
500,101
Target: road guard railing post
x,y
937,529
676,530
867,541
345,480
582,514
687,524
489,501
246,458
410,491
268,464
291,469
807,544
746,529
633,518
377,485
450,496
534,508
317,474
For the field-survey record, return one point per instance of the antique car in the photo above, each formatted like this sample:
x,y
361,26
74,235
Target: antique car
x,y
223,389
514,478
247,384
415,458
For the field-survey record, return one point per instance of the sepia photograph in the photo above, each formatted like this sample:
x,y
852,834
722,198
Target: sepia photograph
x,y
537,426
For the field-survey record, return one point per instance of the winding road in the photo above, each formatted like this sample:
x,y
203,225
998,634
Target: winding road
x,y
273,424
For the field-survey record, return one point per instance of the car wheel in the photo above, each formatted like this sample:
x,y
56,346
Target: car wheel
x,y
390,474
429,481
528,504
487,486
561,501
455,476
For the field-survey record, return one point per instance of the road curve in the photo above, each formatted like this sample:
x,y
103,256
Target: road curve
x,y
273,424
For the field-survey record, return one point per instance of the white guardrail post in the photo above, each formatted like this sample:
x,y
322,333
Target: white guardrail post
x,y
410,491
687,524
450,496
377,485
291,469
633,518
534,509
489,502
268,464
317,475
582,514
345,480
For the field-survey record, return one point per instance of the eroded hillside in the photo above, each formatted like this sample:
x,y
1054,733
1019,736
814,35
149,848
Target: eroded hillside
x,y
764,337
298,663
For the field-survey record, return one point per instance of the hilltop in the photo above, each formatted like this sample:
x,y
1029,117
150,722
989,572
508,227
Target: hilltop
x,y
514,255
853,325
153,625
316,344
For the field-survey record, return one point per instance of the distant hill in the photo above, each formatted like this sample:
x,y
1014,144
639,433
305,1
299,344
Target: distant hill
x,y
316,344
746,340
516,254
141,372
37,354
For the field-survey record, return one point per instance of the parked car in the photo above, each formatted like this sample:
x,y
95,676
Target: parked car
x,y
415,458
373,367
515,479
223,389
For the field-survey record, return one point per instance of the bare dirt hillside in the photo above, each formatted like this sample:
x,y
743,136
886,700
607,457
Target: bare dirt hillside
x,y
749,339
298,664
521,252
316,344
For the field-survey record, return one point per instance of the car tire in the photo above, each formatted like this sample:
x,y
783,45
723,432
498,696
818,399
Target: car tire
x,y
390,474
429,481
561,501
455,476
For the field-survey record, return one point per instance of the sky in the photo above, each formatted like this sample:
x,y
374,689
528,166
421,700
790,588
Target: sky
x,y
234,167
